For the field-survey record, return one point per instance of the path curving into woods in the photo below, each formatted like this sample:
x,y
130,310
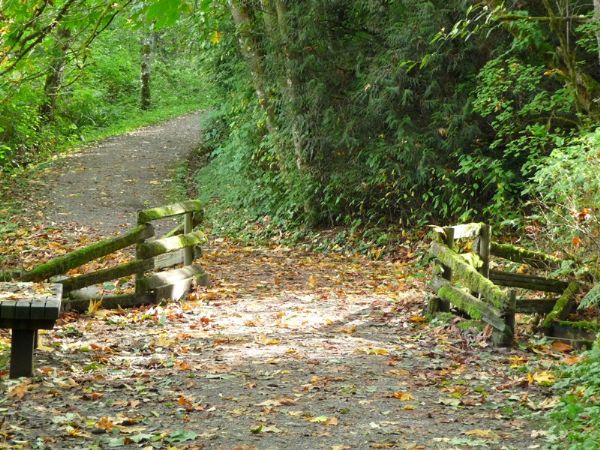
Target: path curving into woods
x,y
104,185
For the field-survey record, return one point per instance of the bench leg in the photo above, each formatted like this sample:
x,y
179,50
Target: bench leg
x,y
21,353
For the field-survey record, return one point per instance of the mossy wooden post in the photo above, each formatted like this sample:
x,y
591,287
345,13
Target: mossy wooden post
x,y
484,249
188,252
444,305
506,337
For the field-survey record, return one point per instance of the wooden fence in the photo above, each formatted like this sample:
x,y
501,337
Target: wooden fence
x,y
465,281
177,247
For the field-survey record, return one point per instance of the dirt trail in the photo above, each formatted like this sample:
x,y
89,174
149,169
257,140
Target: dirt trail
x,y
103,186
286,349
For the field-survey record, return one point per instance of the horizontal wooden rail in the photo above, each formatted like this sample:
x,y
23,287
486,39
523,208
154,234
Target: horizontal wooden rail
x,y
468,230
163,212
165,245
171,277
535,259
469,275
527,282
563,305
62,264
110,302
475,308
535,305
113,273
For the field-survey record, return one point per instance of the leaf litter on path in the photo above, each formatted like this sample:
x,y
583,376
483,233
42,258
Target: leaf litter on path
x,y
284,349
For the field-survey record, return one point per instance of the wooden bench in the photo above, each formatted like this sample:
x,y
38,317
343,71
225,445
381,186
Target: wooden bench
x,y
26,308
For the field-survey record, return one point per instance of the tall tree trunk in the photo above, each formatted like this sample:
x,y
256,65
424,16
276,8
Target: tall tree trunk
x,y
146,71
292,82
597,20
251,51
54,79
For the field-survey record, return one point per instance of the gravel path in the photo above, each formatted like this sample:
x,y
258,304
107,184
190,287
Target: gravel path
x,y
103,186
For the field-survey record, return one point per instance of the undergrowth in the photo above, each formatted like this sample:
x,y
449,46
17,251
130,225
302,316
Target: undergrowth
x,y
576,420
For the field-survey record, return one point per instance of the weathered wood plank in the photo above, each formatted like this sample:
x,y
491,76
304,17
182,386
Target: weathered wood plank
x,y
535,305
110,302
535,259
162,212
188,252
160,246
62,264
169,277
469,276
528,282
484,249
474,307
467,230
112,273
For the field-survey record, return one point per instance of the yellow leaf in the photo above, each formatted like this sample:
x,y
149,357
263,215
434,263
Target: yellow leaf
x,y
265,340
94,306
483,434
377,351
516,361
312,282
542,377
216,37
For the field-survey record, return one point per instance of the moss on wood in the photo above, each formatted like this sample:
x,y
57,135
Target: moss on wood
x,y
160,246
113,273
469,276
535,259
62,264
580,325
561,309
475,308
162,212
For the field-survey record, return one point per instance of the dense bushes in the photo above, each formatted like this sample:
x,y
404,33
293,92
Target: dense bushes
x,y
369,112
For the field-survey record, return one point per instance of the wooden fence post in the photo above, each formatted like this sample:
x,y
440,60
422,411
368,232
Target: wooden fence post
x,y
188,252
484,249
506,338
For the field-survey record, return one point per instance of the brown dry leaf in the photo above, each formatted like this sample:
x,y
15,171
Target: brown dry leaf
x,y
20,390
376,351
104,423
571,360
183,365
403,396
347,330
560,346
186,403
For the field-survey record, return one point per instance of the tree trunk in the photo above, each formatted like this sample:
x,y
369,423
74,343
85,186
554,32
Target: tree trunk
x,y
597,20
146,71
292,82
250,48
54,79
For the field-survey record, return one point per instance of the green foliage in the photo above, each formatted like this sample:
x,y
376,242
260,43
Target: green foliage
x,y
566,190
577,418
